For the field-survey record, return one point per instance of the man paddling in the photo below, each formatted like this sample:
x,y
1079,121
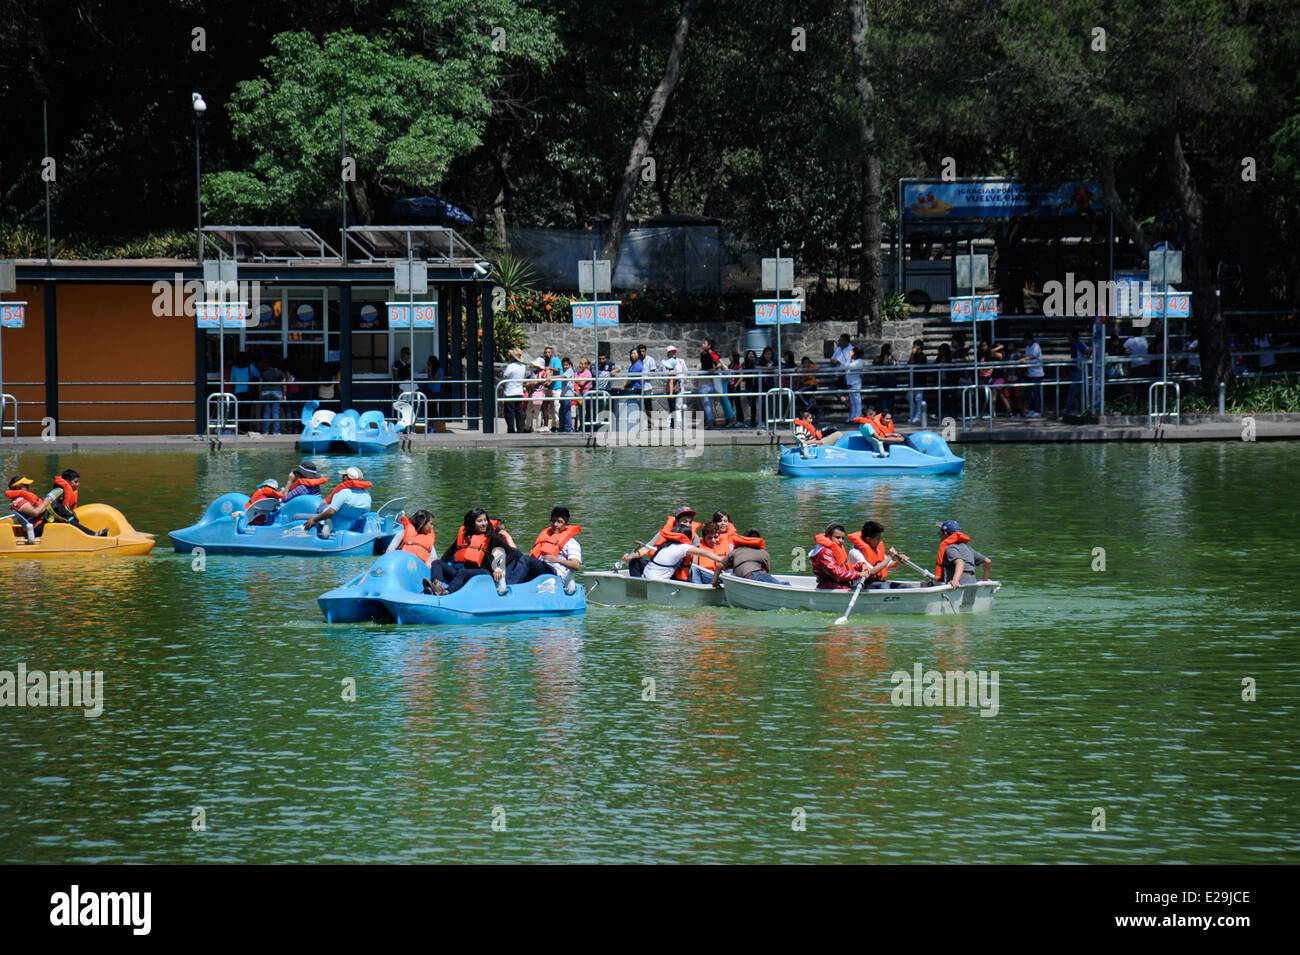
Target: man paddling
x,y
749,559
869,548
353,492
61,503
956,562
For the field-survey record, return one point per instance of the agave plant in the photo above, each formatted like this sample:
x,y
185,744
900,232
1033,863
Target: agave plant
x,y
513,274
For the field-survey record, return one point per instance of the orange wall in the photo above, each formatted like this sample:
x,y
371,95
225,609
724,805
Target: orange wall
x,y
106,333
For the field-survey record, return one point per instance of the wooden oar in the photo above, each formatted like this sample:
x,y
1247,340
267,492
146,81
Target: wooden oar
x,y
856,590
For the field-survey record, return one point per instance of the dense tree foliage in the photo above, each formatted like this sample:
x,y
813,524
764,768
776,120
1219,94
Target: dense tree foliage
x,y
789,122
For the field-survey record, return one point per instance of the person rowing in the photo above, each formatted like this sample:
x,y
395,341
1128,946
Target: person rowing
x,y
869,548
353,493
956,561
668,561
831,562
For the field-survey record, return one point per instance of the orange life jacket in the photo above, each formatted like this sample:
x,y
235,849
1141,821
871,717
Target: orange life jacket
x,y
16,499
878,422
473,551
957,538
838,550
349,483
722,548
548,544
69,493
739,540
817,435
305,482
874,555
264,492
421,545
667,534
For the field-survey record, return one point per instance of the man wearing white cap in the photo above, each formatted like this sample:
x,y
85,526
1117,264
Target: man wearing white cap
x,y
675,371
353,492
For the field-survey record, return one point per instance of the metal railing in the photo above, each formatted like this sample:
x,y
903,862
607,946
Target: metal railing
x,y
223,413
419,403
8,401
970,403
1163,386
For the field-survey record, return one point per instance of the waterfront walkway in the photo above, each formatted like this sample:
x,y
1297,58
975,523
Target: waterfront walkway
x,y
1261,427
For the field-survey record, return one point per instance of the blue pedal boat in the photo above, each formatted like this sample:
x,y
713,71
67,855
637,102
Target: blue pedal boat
x,y
225,529
924,452
392,591
347,431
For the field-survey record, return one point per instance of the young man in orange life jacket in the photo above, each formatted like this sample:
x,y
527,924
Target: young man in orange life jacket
x,y
61,503
557,546
956,561
27,508
869,548
832,566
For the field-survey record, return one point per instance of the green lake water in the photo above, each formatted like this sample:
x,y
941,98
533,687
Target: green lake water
x,y
1119,689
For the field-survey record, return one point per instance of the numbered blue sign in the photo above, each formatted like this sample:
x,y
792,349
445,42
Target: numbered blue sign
x,y
399,314
765,311
12,314
220,314
593,314
1178,305
984,308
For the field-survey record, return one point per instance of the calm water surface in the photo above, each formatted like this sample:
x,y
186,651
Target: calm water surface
x,y
1119,689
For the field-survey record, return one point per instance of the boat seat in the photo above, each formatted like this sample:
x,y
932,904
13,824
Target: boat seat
x,y
322,418
297,509
371,420
350,519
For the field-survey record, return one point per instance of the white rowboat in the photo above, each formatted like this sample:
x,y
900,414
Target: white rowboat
x,y
911,597
617,588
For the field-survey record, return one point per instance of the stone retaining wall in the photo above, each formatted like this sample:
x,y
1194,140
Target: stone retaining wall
x,y
813,339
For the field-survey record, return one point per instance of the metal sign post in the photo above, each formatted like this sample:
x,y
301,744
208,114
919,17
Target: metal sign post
x,y
220,309
778,273
411,276
594,276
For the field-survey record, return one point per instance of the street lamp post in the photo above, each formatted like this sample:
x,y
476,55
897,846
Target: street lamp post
x,y
200,335
200,108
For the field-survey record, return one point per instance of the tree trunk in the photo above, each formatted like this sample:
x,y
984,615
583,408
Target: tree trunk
x,y
1216,363
871,293
359,199
641,145
499,203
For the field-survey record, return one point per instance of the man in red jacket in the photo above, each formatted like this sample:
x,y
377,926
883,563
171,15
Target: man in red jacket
x,y
831,564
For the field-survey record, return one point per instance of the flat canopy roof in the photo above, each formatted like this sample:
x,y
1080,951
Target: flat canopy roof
x,y
267,243
389,243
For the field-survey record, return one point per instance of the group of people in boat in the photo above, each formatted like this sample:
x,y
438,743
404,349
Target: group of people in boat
x,y
876,428
353,493
484,546
31,513
687,550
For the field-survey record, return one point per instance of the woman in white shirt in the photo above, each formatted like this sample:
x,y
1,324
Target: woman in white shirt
x,y
512,390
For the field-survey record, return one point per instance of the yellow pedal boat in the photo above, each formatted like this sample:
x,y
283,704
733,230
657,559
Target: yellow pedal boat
x,y
63,540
